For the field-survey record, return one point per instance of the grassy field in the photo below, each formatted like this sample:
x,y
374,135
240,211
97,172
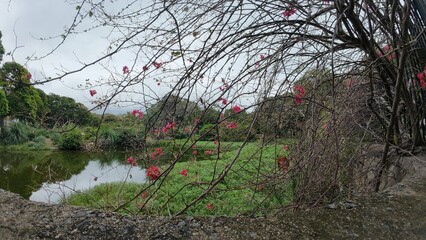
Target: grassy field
x,y
248,187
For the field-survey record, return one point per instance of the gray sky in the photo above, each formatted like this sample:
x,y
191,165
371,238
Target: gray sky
x,y
23,22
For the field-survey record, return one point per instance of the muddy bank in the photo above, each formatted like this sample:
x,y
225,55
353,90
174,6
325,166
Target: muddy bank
x,y
397,213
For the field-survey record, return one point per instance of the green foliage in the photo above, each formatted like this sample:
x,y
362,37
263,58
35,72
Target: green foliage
x,y
71,140
1,49
231,197
14,134
4,104
64,110
24,103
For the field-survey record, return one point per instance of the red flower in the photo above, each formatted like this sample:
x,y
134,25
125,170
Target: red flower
x,y
299,92
92,92
145,68
164,129
208,152
173,124
194,152
236,109
29,76
231,125
422,77
156,131
285,147
224,101
132,161
298,100
262,57
215,142
126,70
209,206
283,163
153,173
387,49
137,113
184,172
157,65
159,151
289,11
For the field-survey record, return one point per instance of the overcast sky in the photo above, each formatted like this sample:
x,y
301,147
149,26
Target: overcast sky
x,y
24,22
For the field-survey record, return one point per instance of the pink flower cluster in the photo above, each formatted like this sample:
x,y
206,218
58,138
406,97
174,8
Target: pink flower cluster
x,y
231,125
132,161
236,109
126,70
137,113
289,11
92,92
168,127
299,93
184,172
153,173
157,152
386,50
422,78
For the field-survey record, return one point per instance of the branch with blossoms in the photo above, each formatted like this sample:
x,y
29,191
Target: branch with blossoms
x,y
252,57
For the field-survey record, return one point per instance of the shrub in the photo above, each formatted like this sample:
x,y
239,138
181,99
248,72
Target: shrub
x,y
71,141
15,134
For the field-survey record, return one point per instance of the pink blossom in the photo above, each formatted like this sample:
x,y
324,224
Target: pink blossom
x,y
29,76
236,109
209,206
137,113
231,125
184,172
126,70
289,11
92,92
194,152
153,173
208,152
157,65
132,161
224,101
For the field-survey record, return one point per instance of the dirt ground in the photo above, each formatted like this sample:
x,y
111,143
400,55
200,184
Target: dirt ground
x,y
396,213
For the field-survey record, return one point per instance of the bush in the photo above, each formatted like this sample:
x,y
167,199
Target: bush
x,y
15,134
71,141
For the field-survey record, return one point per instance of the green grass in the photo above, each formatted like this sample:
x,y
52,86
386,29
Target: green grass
x,y
248,187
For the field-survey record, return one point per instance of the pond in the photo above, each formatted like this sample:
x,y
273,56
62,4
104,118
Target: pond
x,y
47,176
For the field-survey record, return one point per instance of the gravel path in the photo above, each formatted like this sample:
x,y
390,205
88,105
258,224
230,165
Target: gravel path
x,y
397,213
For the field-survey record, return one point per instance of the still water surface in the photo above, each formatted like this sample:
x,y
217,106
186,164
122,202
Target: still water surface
x,y
47,176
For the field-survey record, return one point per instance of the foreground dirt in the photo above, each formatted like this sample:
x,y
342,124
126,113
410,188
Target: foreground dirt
x,y
397,213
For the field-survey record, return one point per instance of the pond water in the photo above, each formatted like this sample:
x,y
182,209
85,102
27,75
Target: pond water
x,y
47,176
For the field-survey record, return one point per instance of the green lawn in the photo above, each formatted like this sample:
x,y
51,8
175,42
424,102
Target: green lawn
x,y
248,186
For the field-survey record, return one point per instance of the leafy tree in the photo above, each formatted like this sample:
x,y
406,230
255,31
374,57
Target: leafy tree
x,y
1,48
4,107
63,110
24,100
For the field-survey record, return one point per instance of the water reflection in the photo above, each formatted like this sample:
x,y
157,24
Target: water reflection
x,y
93,174
47,176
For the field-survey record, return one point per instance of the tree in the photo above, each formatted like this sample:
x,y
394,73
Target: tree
x,y
23,99
4,107
1,49
65,110
248,52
